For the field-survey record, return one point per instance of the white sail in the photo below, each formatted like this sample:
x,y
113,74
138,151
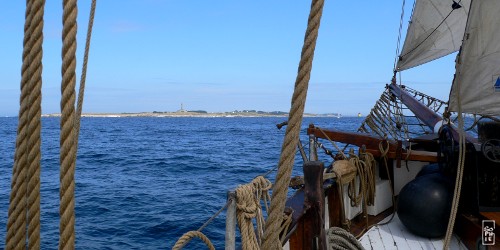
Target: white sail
x,y
436,29
477,82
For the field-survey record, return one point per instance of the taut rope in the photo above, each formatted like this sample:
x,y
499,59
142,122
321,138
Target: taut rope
x,y
24,208
460,171
68,145
16,223
287,158
81,91
187,237
34,116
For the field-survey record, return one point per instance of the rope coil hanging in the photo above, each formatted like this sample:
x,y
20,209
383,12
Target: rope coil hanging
x,y
248,199
287,158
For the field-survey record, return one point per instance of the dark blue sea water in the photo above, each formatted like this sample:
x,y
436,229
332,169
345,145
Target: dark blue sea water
x,y
143,182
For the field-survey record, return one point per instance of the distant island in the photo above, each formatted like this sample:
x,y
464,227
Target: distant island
x,y
199,113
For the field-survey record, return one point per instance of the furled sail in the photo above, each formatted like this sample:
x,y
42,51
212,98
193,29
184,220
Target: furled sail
x,y
477,82
436,29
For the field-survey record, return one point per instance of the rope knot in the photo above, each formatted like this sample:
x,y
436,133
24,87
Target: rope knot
x,y
248,203
245,201
262,184
384,150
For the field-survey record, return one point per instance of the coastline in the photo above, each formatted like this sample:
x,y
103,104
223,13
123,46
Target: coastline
x,y
194,114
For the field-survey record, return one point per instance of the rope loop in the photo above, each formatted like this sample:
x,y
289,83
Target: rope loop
x,y
384,150
248,204
187,237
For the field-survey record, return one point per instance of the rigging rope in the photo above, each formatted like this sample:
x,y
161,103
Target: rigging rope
x,y
432,32
24,208
67,137
333,143
460,170
386,119
287,158
34,117
16,223
83,77
398,44
187,237
70,122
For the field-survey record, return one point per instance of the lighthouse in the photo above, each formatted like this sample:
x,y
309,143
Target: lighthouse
x,y
182,108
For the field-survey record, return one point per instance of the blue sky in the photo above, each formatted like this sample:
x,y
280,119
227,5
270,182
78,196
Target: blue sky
x,y
153,55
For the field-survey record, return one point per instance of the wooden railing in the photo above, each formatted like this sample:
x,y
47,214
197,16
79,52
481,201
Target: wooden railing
x,y
307,204
373,144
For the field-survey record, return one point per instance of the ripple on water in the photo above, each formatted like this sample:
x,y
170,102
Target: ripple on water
x,y
143,182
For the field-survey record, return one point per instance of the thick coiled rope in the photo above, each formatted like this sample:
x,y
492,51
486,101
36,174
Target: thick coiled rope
x,y
287,158
248,206
67,144
347,168
366,171
365,166
357,196
185,238
339,238
24,209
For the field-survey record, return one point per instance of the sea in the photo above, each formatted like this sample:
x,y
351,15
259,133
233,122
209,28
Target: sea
x,y
142,182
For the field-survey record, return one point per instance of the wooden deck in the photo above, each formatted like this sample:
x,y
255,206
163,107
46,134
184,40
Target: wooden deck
x,y
395,236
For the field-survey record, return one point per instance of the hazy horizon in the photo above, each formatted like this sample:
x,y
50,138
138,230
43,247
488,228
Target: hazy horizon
x,y
219,56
